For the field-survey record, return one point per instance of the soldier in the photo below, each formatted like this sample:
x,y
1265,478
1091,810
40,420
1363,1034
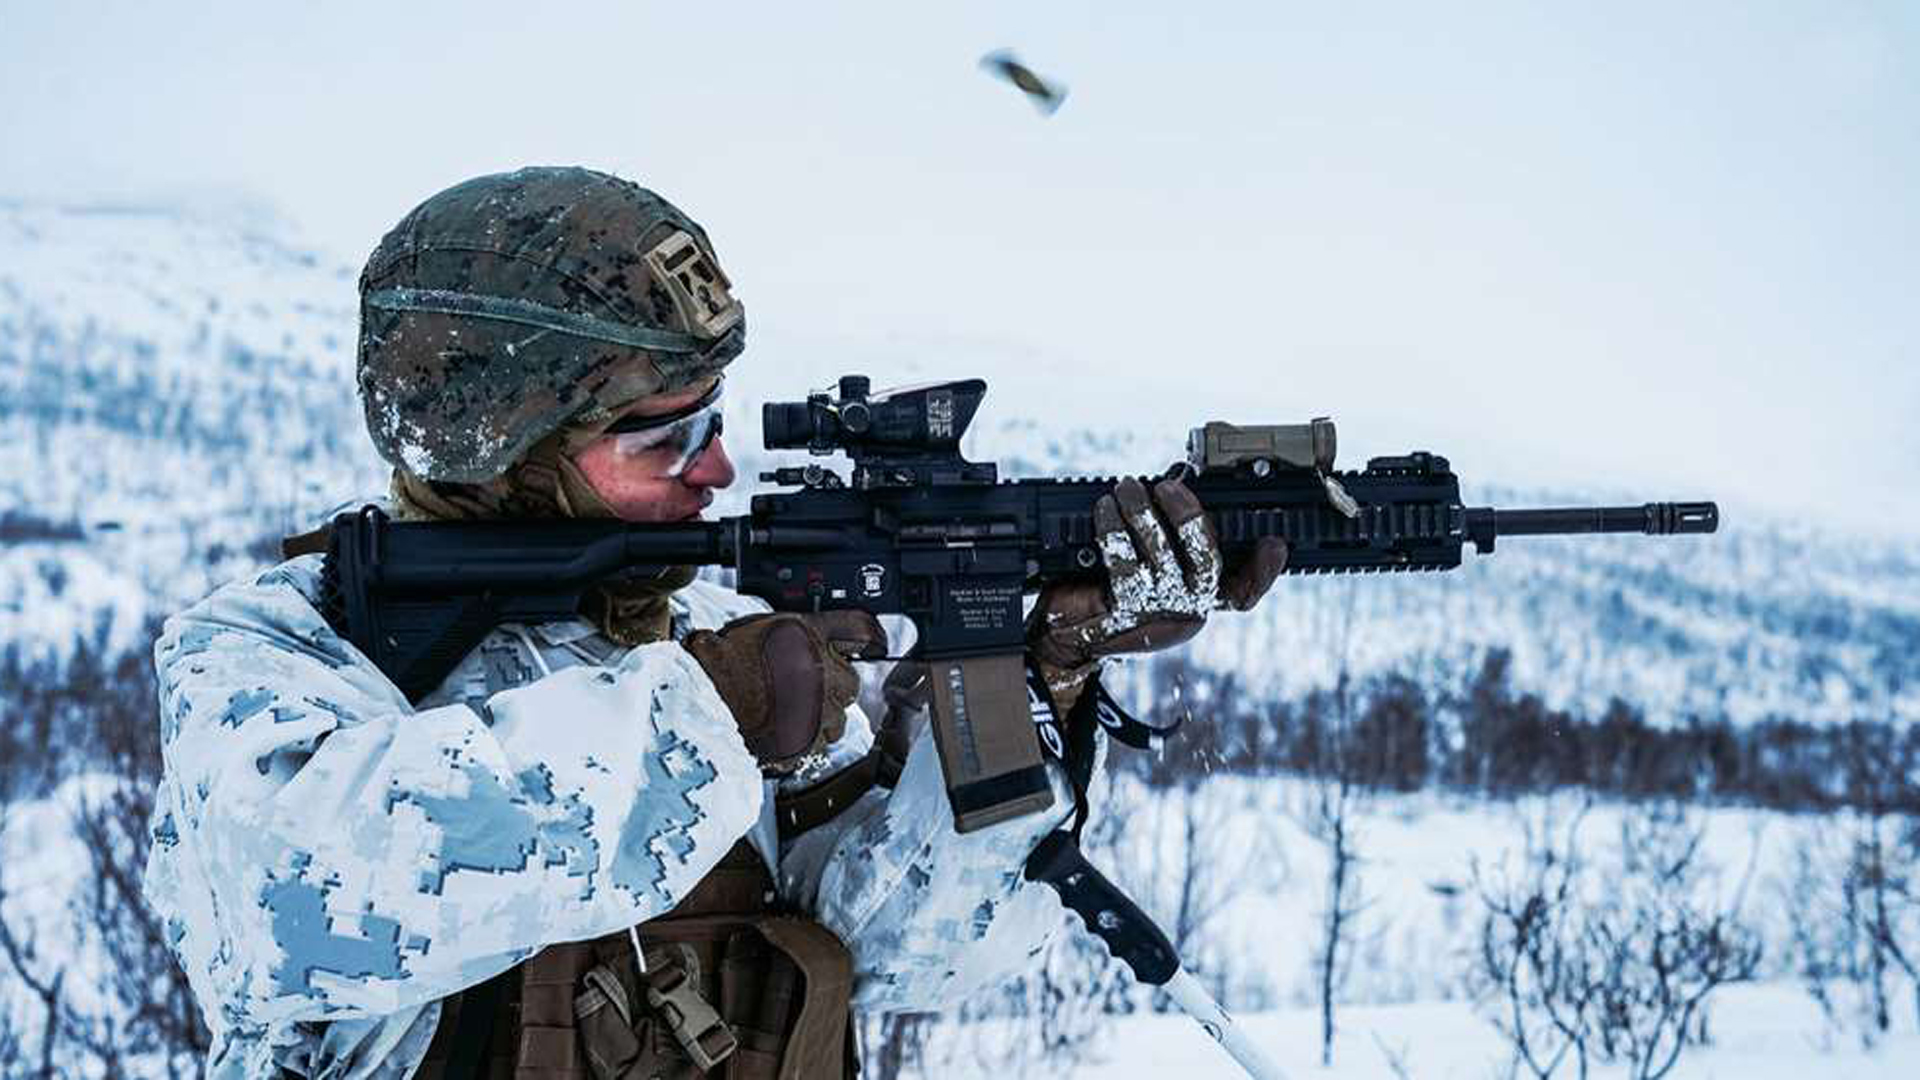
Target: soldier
x,y
647,842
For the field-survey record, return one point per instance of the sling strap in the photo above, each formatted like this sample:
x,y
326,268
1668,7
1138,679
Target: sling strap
x,y
820,803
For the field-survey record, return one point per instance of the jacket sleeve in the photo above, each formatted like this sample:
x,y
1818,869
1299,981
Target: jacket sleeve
x,y
929,914
323,851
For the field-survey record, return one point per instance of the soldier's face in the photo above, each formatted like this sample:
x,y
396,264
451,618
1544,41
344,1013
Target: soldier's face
x,y
637,486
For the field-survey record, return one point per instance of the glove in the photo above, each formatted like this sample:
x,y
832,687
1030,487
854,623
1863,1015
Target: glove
x,y
787,679
1165,574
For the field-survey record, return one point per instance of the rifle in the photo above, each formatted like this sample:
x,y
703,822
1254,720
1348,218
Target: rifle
x,y
917,530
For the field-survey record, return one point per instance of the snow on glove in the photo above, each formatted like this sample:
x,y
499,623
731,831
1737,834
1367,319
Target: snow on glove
x,y
1164,575
787,679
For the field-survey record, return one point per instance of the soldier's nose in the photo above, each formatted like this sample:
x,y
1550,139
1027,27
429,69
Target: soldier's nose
x,y
712,469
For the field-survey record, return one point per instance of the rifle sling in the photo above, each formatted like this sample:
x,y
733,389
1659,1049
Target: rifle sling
x,y
822,802
307,543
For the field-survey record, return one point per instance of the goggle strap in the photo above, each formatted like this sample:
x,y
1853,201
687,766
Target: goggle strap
x,y
628,425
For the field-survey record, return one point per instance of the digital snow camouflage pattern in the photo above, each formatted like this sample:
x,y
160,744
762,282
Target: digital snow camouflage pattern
x,y
330,861
510,305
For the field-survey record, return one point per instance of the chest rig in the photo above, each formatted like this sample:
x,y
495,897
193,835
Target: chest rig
x,y
731,984
726,987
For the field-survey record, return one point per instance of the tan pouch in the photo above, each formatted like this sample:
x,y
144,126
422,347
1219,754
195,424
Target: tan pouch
x,y
784,988
608,1024
655,1026
817,1047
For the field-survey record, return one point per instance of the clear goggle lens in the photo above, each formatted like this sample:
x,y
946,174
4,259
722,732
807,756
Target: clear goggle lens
x,y
687,432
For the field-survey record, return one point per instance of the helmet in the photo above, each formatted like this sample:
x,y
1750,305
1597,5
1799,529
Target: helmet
x,y
513,305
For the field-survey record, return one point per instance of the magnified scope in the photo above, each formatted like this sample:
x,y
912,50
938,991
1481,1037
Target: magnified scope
x,y
791,425
906,420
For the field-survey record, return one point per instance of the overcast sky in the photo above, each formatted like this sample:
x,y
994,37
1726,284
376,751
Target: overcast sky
x,y
1671,247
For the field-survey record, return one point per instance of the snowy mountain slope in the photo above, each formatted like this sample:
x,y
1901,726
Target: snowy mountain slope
x,y
171,386
176,392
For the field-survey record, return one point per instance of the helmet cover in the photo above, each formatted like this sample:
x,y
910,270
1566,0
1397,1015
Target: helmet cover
x,y
513,305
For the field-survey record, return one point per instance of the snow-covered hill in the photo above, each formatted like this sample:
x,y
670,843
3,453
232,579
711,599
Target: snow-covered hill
x,y
171,387
176,392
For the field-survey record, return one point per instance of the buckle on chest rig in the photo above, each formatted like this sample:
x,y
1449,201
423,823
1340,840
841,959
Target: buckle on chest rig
x,y
696,1026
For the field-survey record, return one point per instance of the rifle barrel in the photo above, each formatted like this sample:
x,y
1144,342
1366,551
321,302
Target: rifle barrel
x,y
1651,519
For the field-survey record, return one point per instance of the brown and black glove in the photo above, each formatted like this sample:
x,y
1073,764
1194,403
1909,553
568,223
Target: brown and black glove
x,y
1165,574
787,678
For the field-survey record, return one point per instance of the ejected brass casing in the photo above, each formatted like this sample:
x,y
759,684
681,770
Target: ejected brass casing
x,y
1223,446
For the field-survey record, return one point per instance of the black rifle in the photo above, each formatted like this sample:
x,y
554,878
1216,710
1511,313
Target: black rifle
x,y
917,530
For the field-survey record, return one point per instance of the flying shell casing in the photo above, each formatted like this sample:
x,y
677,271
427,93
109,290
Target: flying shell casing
x,y
1223,446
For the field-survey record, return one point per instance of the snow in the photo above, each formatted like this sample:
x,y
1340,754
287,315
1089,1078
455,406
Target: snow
x,y
46,871
1761,1032
1404,998
176,392
1418,856
176,385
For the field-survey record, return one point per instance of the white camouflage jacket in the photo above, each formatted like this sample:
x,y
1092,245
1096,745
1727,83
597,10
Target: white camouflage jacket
x,y
331,861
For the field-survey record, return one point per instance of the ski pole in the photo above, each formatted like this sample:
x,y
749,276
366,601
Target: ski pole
x,y
1131,936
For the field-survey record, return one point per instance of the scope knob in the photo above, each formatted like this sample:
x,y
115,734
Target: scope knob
x,y
856,417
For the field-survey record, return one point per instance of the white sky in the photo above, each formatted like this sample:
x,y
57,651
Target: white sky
x,y
1666,248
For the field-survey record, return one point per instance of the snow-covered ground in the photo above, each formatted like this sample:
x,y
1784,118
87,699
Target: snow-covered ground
x,y
1261,876
1408,1010
1406,995
46,873
1760,1032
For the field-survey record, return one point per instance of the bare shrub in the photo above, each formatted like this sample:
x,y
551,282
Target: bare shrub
x,y
45,988
1331,817
1581,961
9,1047
1852,899
137,1014
1196,850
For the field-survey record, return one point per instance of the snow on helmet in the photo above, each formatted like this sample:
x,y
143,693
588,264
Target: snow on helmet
x,y
512,305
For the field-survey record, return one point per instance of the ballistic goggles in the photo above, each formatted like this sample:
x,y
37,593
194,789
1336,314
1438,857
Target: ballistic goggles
x,y
687,431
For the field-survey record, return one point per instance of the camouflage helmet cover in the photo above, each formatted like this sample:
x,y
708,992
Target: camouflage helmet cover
x,y
509,306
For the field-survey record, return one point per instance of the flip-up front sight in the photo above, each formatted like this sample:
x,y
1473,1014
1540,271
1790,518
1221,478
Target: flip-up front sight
x,y
910,420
